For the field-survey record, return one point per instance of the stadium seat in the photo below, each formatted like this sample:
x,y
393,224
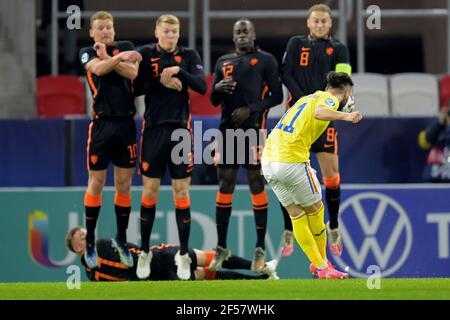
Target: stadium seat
x,y
414,95
371,94
444,90
200,104
58,96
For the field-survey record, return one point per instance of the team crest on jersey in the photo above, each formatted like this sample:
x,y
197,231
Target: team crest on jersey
x,y
145,166
253,61
115,52
94,159
84,57
329,102
178,59
330,51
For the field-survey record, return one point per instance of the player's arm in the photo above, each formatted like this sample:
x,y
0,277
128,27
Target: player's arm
x,y
104,64
272,79
102,67
93,64
343,60
288,66
129,69
217,92
326,114
194,77
145,73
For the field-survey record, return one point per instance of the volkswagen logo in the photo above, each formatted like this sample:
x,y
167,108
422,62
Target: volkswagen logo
x,y
375,229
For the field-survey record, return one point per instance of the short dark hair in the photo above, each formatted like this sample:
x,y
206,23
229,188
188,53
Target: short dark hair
x,y
244,20
69,237
338,80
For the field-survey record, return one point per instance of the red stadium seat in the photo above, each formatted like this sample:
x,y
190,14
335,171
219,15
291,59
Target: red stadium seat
x,y
444,91
200,104
58,96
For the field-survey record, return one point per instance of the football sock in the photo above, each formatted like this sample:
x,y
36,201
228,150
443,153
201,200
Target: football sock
x,y
183,218
223,212
260,205
122,206
235,262
333,199
317,226
305,239
92,205
286,217
232,275
148,210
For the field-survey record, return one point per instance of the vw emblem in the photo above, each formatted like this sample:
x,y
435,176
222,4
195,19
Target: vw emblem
x,y
375,229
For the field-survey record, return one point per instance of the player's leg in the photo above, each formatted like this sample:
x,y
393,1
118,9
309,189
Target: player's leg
x,y
287,239
207,274
149,198
204,259
326,149
304,236
260,206
233,275
329,164
92,204
297,187
286,218
224,200
152,167
315,215
181,179
122,206
123,155
98,157
182,211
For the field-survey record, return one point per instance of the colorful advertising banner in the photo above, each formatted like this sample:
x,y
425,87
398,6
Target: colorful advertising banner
x,y
403,230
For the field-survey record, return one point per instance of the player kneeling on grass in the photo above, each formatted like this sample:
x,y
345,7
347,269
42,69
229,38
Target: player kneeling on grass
x,y
285,165
162,265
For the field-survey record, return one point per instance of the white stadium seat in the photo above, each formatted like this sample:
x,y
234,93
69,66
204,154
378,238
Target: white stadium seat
x,y
371,94
414,95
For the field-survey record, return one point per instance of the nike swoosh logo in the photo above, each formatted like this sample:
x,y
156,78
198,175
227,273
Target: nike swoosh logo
x,y
186,220
305,49
328,145
154,59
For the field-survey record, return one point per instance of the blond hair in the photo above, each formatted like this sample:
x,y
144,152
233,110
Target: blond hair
x,y
69,237
167,18
101,15
319,7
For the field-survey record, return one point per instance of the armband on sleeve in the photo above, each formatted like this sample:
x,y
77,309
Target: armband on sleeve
x,y
344,67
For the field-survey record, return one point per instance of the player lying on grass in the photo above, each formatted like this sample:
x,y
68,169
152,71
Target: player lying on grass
x,y
162,265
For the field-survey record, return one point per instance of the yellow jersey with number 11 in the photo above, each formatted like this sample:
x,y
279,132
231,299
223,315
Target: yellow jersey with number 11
x,y
297,129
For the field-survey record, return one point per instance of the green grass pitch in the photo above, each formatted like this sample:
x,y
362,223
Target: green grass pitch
x,y
436,288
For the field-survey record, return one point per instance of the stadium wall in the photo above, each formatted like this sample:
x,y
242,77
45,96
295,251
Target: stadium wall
x,y
401,229
52,153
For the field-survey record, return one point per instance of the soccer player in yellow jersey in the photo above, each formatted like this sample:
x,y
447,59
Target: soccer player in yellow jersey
x,y
285,165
